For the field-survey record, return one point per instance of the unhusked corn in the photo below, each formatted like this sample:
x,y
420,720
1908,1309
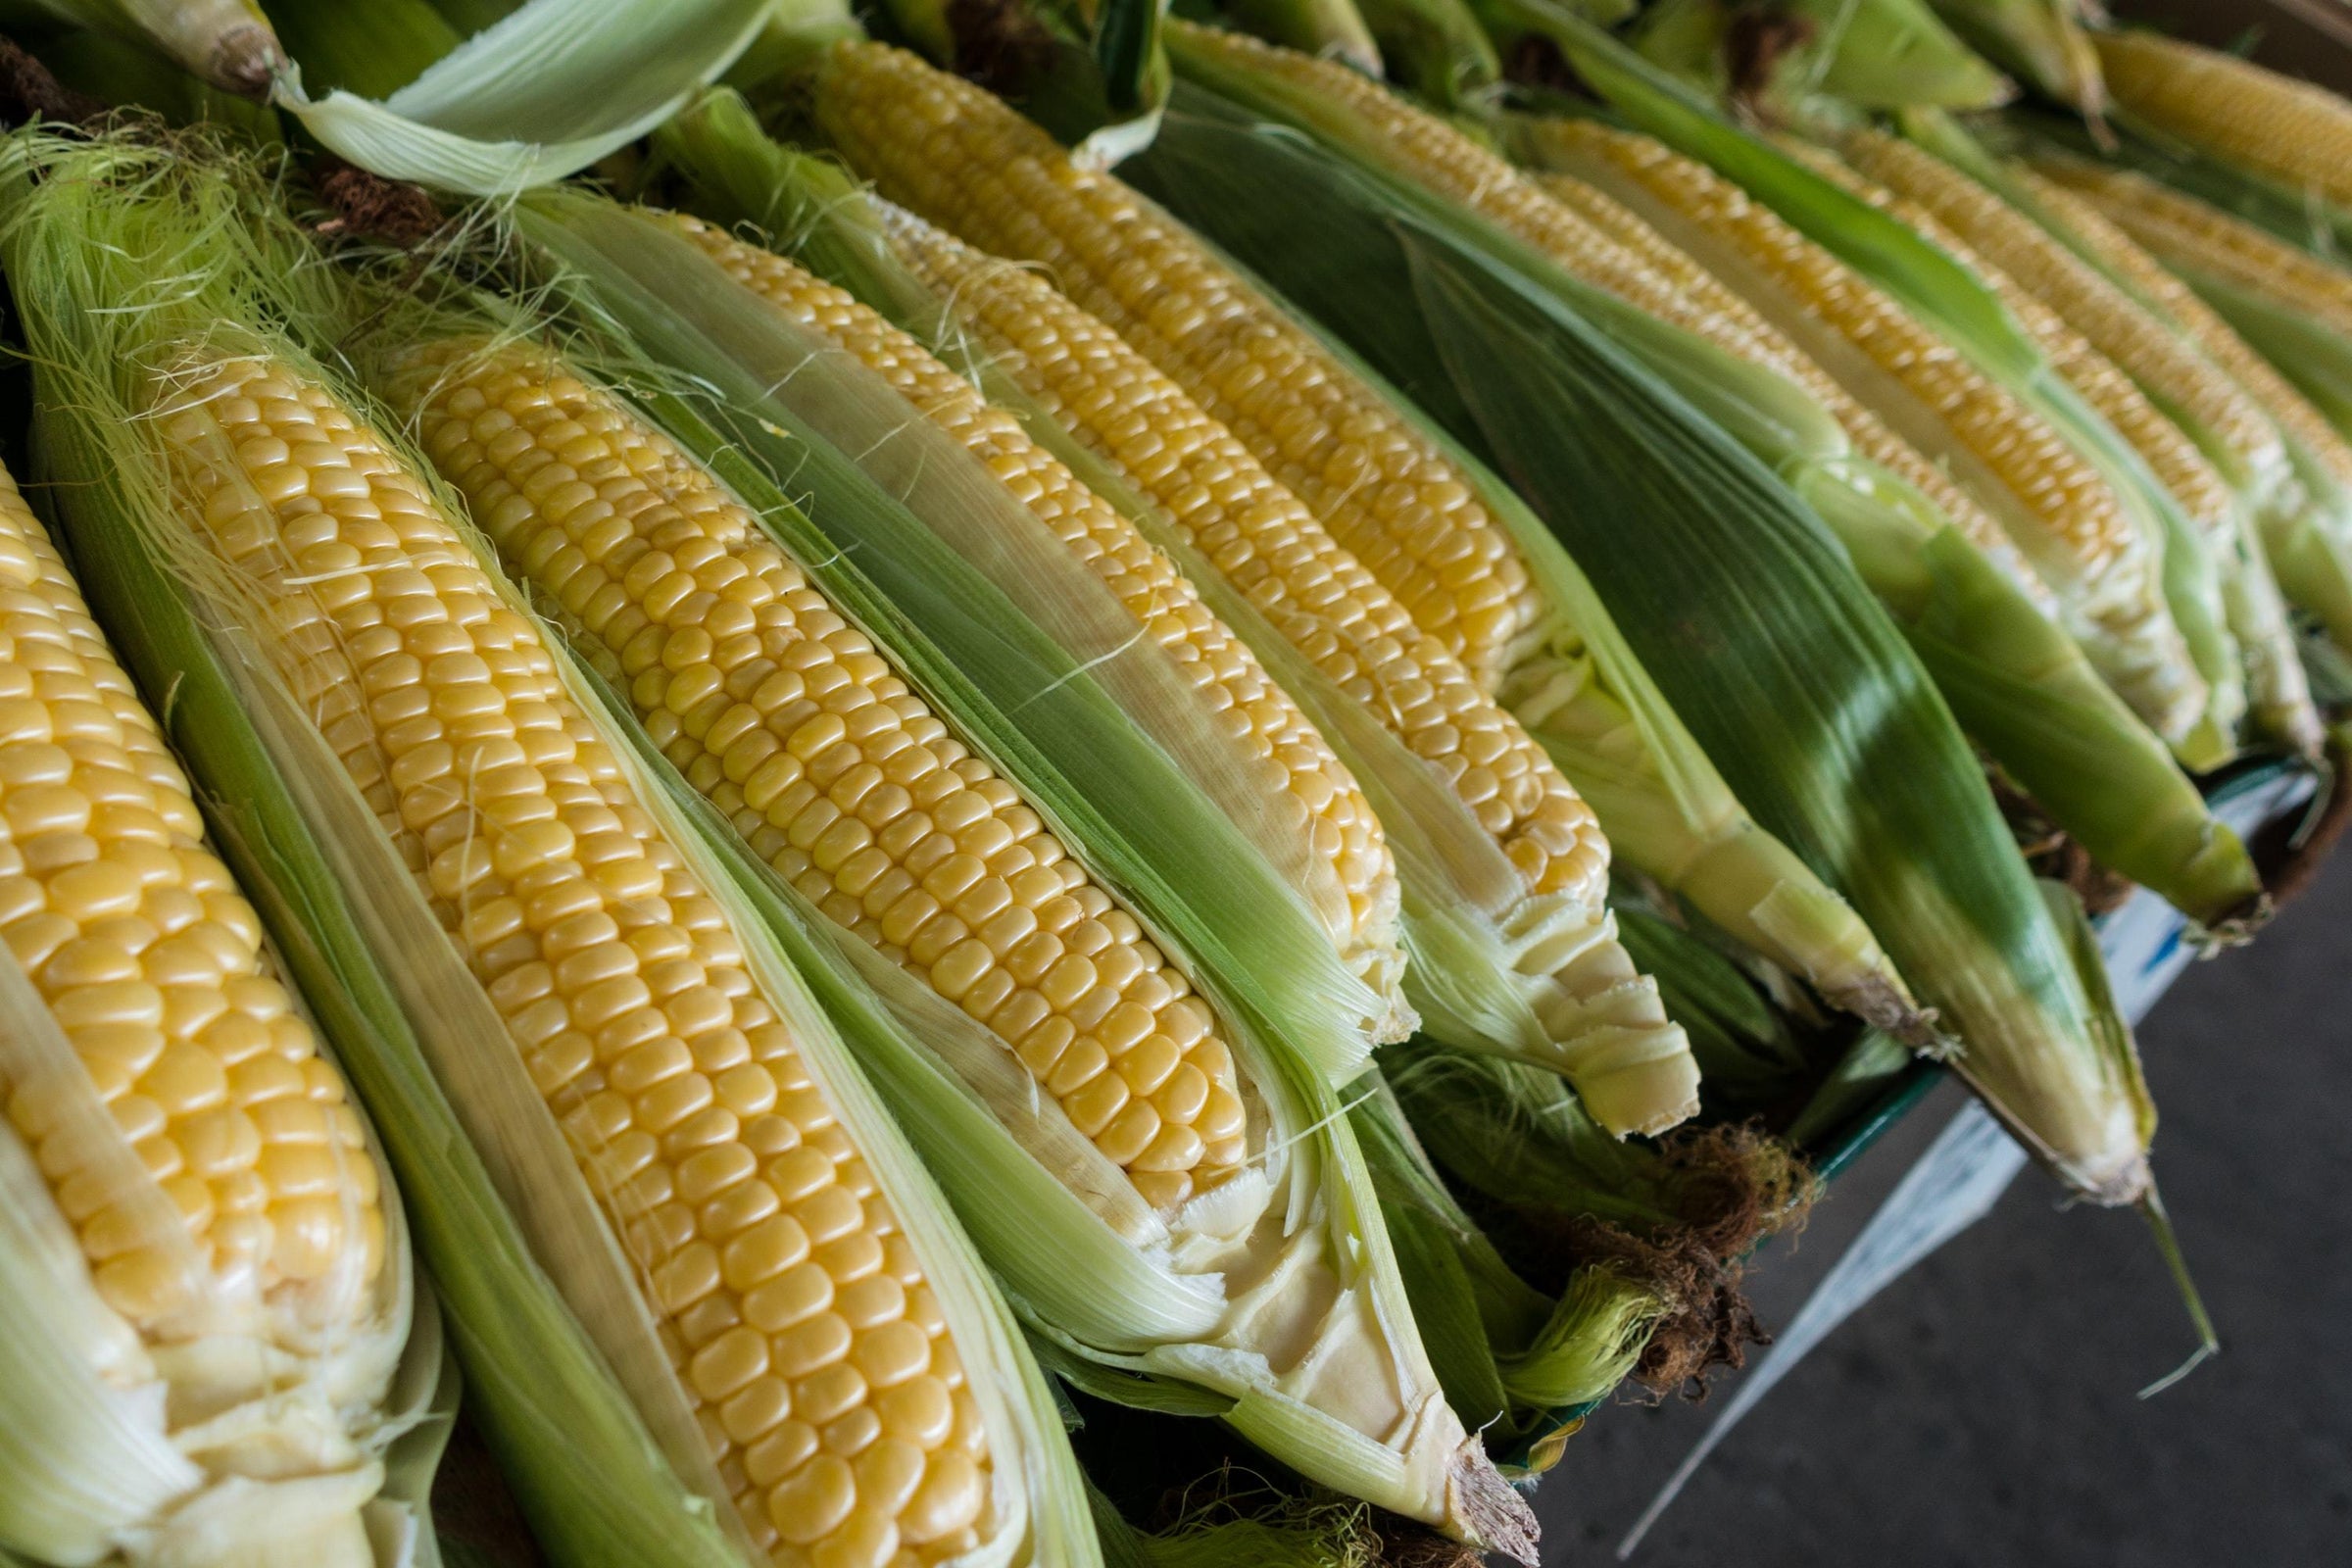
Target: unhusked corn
x,y
151,961
1265,542
777,1274
966,161
789,721
1265,723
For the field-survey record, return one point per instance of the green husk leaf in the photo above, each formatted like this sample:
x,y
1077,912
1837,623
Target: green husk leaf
x,y
1873,54
2316,358
538,95
2041,41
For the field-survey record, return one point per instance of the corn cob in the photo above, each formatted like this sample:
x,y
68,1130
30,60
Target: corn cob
x,y
835,774
2153,353
2292,131
2186,232
2055,505
794,1308
1593,239
241,1198
944,148
2304,527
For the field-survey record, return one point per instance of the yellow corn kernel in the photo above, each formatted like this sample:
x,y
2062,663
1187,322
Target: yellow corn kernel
x,y
617,975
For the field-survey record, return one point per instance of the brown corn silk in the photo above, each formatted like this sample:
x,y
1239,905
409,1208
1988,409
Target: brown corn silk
x,y
837,774
791,1306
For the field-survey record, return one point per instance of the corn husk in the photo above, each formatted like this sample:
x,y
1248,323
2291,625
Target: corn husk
x,y
2042,42
1751,620
123,257
228,44
1876,54
539,94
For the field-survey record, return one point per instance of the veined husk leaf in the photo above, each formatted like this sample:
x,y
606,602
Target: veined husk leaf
x,y
2195,703
1469,926
226,43
539,94
1790,677
1585,697
1435,47
993,608
1275,1294
125,257
2089,755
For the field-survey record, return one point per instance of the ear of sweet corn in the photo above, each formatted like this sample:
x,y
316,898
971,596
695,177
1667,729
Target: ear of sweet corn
x,y
2294,134
1515,863
1272,1292
2243,448
1450,549
696,1162
2307,527
206,1272
2054,504
2221,589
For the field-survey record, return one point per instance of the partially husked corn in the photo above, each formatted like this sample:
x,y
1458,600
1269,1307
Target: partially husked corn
x,y
2150,351
2055,503
1311,788
1596,242
2188,232
794,1308
2293,132
151,961
2128,259
1266,543
789,721
966,161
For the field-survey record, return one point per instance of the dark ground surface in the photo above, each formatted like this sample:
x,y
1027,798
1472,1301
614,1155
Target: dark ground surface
x,y
1982,1411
